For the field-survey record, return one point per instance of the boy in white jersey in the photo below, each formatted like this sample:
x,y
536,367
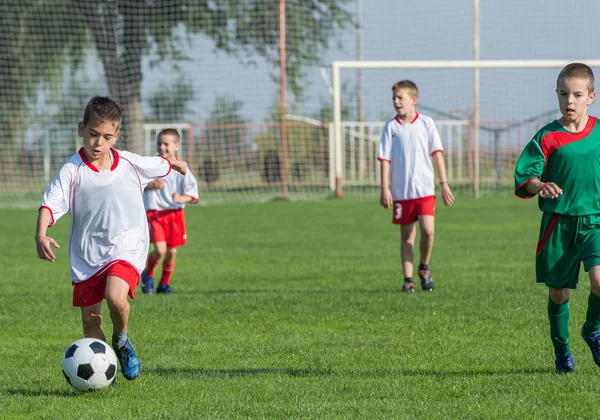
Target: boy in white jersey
x,y
408,143
101,189
164,200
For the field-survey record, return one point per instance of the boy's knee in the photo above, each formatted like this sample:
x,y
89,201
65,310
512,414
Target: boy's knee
x,y
115,301
559,296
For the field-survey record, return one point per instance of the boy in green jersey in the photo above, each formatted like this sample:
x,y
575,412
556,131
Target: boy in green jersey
x,y
561,164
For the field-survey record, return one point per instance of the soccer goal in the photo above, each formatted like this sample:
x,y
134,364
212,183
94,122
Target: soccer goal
x,y
485,110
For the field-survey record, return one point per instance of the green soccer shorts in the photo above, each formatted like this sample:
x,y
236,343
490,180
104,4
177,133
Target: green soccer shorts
x,y
565,242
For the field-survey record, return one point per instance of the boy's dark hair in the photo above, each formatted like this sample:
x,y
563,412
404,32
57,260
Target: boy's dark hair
x,y
578,71
406,84
103,109
169,132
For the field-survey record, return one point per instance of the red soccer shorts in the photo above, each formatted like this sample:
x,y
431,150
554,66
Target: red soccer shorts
x,y
408,211
167,226
91,291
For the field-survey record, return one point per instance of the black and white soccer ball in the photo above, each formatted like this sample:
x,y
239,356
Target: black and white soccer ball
x,y
89,364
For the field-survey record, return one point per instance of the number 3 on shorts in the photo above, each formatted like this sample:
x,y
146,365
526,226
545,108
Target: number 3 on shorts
x,y
397,211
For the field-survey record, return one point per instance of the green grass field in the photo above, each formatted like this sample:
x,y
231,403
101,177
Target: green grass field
x,y
293,310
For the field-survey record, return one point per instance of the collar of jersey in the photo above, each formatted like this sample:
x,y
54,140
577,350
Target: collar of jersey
x,y
400,121
92,167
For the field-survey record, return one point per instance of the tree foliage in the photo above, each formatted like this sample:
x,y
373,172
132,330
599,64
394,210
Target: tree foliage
x,y
41,36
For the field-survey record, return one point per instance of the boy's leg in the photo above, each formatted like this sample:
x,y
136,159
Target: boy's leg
x,y
91,318
117,291
591,328
407,246
426,225
160,248
558,315
167,271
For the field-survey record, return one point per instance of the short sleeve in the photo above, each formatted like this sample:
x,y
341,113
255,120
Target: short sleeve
x,y
435,142
530,166
384,151
190,186
148,167
57,195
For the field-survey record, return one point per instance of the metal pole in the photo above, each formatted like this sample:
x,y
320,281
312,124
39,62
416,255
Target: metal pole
x,y
337,128
476,120
360,92
359,56
282,124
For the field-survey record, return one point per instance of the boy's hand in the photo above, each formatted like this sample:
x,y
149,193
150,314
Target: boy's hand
x,y
550,190
43,248
447,196
386,199
178,198
180,166
157,184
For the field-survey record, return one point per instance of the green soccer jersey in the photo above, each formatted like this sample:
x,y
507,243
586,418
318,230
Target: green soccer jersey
x,y
571,161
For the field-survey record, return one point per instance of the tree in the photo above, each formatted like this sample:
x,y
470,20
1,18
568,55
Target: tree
x,y
33,46
123,30
33,38
171,103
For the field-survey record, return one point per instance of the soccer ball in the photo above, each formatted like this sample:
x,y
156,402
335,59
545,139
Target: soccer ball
x,y
89,364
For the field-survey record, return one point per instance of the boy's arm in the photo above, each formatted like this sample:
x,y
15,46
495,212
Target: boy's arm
x,y
157,184
386,199
544,189
447,197
41,240
182,199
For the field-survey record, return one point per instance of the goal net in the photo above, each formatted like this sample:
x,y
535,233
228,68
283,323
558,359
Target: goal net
x,y
483,126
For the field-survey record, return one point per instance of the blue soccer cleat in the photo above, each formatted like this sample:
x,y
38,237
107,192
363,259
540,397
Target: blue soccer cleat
x,y
164,289
147,284
130,364
593,341
565,364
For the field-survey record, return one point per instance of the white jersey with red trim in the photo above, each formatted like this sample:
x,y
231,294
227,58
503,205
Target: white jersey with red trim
x,y
108,220
408,147
162,199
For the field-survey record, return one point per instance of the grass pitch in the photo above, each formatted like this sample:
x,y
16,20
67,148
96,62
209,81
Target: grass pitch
x,y
293,310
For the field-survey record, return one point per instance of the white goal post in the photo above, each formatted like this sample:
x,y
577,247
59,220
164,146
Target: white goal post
x,y
475,65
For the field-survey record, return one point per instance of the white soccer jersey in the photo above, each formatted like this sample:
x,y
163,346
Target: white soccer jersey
x,y
162,199
408,148
108,220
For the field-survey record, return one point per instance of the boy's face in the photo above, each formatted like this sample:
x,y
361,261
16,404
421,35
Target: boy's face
x,y
574,97
167,146
98,138
404,101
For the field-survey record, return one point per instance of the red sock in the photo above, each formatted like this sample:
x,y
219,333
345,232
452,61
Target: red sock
x,y
167,271
151,264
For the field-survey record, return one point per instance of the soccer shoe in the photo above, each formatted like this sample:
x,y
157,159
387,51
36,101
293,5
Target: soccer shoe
x,y
164,289
426,280
130,364
565,364
593,341
147,284
408,287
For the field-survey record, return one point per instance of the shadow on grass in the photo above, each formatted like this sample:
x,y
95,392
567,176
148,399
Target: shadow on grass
x,y
24,392
239,372
297,291
330,372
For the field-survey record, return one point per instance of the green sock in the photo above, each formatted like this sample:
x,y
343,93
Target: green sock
x,y
592,318
558,314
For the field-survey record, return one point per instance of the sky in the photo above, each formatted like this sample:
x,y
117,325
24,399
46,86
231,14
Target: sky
x,y
415,30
